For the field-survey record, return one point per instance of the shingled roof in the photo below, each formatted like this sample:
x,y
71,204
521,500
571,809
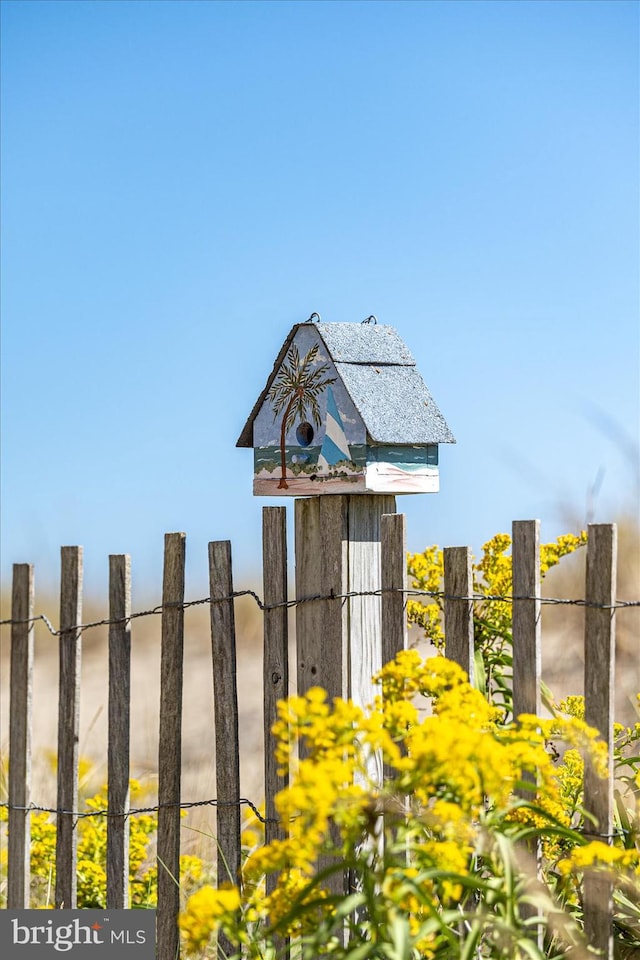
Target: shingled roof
x,y
382,379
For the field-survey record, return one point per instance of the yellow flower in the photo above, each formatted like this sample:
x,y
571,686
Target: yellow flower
x,y
451,806
598,855
573,707
203,913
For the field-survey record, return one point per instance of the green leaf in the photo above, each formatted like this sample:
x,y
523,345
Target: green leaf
x,y
622,821
400,947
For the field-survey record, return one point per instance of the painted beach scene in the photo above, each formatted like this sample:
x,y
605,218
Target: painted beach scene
x,y
305,465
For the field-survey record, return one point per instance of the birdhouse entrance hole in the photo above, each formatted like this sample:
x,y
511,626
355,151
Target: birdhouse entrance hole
x,y
305,434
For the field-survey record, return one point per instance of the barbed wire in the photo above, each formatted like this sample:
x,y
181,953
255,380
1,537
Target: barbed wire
x,y
135,811
188,805
157,610
290,604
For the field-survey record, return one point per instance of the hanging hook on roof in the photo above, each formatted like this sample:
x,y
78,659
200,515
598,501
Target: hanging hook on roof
x,y
314,314
371,319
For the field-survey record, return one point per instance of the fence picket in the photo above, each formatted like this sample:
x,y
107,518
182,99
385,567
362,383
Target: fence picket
x,y
68,726
599,674
119,732
527,668
458,608
275,670
169,751
223,647
393,581
276,655
20,711
527,656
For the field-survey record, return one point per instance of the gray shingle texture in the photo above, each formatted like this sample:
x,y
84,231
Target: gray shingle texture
x,y
394,403
382,379
364,343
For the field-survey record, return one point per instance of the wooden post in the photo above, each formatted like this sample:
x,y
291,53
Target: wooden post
x,y
527,657
276,655
20,711
599,684
68,726
339,641
119,732
458,608
321,526
170,747
364,638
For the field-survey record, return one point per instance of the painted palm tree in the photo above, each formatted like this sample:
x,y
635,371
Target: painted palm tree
x,y
295,390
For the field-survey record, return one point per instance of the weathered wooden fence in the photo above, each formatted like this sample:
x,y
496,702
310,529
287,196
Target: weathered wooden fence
x,y
336,598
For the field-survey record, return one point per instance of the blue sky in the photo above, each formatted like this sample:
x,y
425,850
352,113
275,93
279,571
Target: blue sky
x,y
184,181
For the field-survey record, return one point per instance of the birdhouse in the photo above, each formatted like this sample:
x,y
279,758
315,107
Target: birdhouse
x,y
345,410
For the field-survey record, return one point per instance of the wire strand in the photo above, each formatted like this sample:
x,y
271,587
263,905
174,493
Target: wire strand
x,y
290,604
189,805
135,811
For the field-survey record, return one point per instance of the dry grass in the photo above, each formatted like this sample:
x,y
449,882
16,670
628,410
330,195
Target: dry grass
x,y
563,626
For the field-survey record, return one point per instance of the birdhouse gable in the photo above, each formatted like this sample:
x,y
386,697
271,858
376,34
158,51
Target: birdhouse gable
x,y
344,410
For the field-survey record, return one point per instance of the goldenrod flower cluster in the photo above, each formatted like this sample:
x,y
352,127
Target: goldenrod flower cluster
x,y
598,854
432,855
207,908
492,606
